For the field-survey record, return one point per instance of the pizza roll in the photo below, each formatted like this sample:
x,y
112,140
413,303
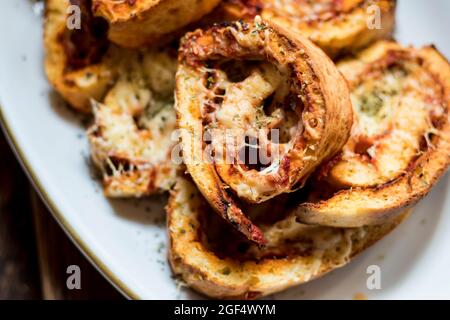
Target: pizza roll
x,y
337,26
400,142
238,269
258,110
79,63
131,139
140,23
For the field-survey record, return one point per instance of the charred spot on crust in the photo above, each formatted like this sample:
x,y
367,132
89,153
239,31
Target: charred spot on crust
x,y
252,295
151,183
362,146
249,8
87,45
223,24
236,70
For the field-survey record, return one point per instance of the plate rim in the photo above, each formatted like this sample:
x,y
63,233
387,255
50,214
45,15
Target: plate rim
x,y
56,213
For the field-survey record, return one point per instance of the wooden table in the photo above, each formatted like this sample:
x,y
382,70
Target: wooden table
x,y
34,251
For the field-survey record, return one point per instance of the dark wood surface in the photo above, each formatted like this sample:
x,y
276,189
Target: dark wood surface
x,y
34,251
19,273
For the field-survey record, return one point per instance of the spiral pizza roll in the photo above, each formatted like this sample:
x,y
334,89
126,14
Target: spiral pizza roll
x,y
400,142
138,23
131,139
337,27
256,87
79,63
213,259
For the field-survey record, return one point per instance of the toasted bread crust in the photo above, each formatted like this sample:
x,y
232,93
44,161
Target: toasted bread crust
x,y
338,27
78,71
131,139
321,100
294,254
414,140
140,23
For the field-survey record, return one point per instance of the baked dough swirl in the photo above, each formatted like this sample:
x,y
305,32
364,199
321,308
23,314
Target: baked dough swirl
x,y
213,259
247,83
79,63
337,26
137,23
131,139
400,143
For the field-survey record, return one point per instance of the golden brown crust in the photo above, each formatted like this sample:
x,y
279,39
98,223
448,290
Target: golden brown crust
x,y
79,63
140,23
337,27
236,268
396,153
305,87
131,139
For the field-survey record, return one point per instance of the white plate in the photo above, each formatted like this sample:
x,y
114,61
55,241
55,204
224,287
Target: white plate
x,y
126,239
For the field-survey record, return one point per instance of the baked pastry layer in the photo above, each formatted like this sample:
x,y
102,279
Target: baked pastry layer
x,y
79,63
213,259
138,23
248,89
131,139
400,142
337,27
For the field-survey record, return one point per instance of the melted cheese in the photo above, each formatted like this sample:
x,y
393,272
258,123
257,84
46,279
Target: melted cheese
x,y
393,115
143,96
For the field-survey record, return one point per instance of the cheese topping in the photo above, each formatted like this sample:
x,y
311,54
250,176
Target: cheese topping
x,y
258,110
252,112
133,127
394,107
